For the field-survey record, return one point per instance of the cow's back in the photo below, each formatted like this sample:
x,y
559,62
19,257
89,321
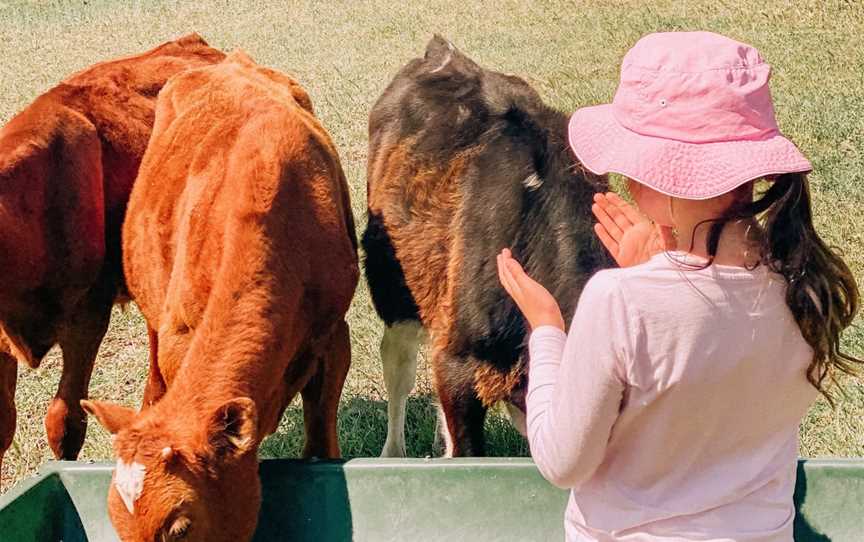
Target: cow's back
x,y
67,165
119,98
240,194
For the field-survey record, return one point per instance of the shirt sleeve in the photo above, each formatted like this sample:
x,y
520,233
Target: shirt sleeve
x,y
576,383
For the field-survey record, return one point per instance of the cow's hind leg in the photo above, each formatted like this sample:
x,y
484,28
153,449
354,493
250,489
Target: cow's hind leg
x,y
322,392
66,422
8,380
463,412
399,359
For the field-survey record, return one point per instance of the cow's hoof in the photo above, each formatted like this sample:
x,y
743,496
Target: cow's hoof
x,y
65,428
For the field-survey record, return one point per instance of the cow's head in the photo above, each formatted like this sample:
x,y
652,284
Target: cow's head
x,y
183,476
446,92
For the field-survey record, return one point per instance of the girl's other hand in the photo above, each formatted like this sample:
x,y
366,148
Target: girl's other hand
x,y
626,233
536,303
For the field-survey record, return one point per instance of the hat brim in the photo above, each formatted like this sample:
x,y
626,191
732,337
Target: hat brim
x,y
677,168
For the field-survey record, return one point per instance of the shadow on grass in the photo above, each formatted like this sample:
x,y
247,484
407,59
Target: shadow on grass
x,y
363,428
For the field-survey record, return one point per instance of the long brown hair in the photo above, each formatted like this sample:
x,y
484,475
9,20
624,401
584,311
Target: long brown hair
x,y
822,293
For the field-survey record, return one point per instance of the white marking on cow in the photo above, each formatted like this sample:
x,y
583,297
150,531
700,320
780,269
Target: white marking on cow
x,y
399,357
446,60
129,481
444,430
532,182
517,418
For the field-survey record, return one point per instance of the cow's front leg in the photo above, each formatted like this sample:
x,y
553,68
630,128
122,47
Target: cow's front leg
x,y
65,421
8,380
322,392
463,412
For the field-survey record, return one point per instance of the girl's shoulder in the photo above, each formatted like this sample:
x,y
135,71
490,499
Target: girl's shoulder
x,y
605,290
683,267
669,275
609,281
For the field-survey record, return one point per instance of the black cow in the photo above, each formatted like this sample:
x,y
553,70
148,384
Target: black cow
x,y
463,162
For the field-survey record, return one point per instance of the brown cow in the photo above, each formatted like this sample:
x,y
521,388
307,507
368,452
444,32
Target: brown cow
x,y
67,164
465,161
239,247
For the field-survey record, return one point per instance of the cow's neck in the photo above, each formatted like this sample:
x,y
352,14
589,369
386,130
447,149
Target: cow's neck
x,y
245,351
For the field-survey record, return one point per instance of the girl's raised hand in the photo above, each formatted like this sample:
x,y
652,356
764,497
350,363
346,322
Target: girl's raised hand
x,y
536,303
626,233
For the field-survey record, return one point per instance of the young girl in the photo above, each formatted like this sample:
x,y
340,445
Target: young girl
x,y
671,408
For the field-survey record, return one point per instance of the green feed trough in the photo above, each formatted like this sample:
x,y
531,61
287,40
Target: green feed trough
x,y
413,500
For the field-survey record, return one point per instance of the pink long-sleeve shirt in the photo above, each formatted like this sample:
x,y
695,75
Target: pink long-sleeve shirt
x,y
671,409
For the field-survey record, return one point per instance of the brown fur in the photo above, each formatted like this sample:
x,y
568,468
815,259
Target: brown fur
x,y
493,385
431,275
239,248
67,164
433,192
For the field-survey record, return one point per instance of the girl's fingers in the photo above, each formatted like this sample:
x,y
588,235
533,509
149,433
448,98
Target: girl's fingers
x,y
515,272
608,223
610,205
500,266
502,276
616,212
522,280
626,209
611,244
514,266
510,283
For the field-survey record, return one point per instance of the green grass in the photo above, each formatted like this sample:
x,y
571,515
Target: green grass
x,y
346,52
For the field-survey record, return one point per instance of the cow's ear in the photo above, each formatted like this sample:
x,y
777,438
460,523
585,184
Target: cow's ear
x,y
438,48
113,417
232,430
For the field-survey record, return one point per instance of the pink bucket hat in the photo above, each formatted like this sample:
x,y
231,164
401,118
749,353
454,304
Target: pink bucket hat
x,y
692,118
